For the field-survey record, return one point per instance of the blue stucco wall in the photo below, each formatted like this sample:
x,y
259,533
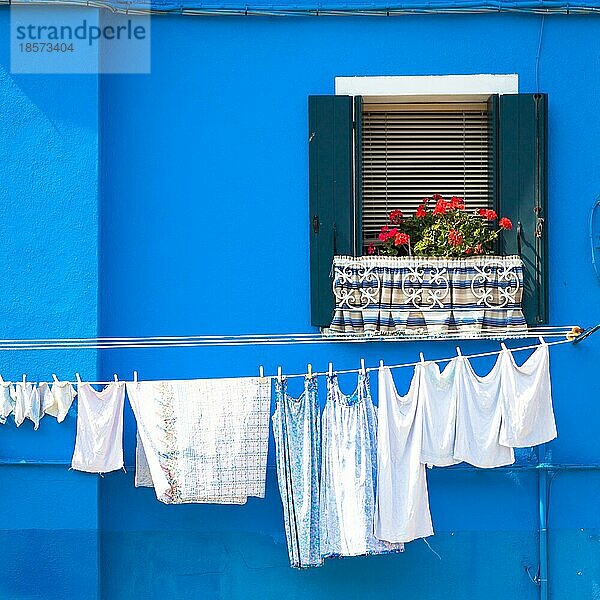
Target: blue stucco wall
x,y
203,228
49,540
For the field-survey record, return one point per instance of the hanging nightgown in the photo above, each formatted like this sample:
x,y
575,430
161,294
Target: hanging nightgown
x,y
402,504
348,473
298,447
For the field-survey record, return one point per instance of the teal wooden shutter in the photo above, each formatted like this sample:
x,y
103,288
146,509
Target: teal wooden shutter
x,y
522,193
332,210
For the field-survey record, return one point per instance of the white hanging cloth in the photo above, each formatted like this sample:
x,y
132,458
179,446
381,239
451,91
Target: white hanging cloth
x,y
439,395
402,502
26,397
527,414
204,440
57,399
479,416
99,440
7,402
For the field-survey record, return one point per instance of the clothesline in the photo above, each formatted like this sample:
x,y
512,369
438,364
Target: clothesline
x,y
136,378
105,343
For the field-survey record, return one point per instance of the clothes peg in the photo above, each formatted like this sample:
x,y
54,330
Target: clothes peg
x,y
458,351
309,373
54,378
135,377
116,378
24,378
542,340
503,346
261,373
381,364
363,371
279,376
422,358
78,377
330,369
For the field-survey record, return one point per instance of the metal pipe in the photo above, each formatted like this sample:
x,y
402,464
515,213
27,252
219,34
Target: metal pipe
x,y
543,505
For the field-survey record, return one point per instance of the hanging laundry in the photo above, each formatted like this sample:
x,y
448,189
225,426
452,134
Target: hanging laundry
x,y
527,415
298,450
438,394
99,439
205,440
143,477
26,397
402,502
348,473
479,416
7,402
56,400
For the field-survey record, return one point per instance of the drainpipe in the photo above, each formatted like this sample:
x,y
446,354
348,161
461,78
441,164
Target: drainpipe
x,y
543,497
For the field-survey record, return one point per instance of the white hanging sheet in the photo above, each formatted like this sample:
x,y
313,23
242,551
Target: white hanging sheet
x,y
479,416
26,397
439,394
204,440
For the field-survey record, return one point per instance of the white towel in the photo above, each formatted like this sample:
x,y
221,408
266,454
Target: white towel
x,y
204,440
527,416
402,504
99,440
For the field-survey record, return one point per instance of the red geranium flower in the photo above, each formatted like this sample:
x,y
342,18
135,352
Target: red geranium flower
x,y
383,233
421,212
488,214
441,207
396,217
467,250
437,197
455,238
371,249
505,223
402,239
456,202
479,249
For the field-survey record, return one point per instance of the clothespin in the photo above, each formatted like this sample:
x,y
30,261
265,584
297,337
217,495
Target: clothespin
x,y
381,364
422,358
542,340
279,375
458,351
78,377
135,377
503,346
261,373
363,371
116,378
54,378
330,369
24,378
309,373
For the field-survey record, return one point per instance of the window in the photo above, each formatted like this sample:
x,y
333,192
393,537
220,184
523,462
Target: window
x,y
411,149
365,153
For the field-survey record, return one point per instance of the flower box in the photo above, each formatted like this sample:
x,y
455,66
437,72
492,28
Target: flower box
x,y
402,295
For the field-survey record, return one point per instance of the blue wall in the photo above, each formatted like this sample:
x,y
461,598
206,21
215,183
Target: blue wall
x,y
203,220
49,539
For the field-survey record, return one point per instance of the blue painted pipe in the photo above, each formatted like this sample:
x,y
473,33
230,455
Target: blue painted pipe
x,y
543,497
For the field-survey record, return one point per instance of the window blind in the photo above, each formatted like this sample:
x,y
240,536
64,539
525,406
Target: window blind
x,y
414,150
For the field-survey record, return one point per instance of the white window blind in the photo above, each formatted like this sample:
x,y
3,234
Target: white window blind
x,y
414,150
